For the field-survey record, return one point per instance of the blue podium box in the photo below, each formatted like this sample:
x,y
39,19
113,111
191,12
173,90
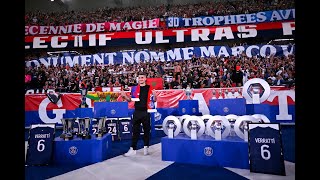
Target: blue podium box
x,y
190,107
84,112
224,107
206,151
259,109
84,152
111,109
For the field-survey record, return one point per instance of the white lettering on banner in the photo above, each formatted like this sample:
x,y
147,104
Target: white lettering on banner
x,y
98,58
77,28
285,50
85,60
54,61
128,58
174,54
38,40
114,26
146,56
170,55
288,27
283,103
147,39
229,19
78,40
180,35
71,62
159,38
247,31
223,32
92,40
110,57
241,18
90,28
207,52
103,38
249,50
55,42
275,16
205,21
237,50
100,27
157,56
186,54
263,50
196,35
43,112
203,107
223,52
186,22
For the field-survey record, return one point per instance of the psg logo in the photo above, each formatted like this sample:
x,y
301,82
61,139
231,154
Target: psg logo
x,y
73,150
113,112
225,109
208,151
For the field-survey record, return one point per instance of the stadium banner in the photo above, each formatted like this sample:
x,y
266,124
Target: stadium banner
x,y
153,37
259,17
92,27
39,109
175,54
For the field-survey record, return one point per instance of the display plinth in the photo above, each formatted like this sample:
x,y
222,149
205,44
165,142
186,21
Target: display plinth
x,y
231,152
190,107
78,151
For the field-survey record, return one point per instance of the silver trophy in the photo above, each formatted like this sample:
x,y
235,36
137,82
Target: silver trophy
x,y
188,92
83,92
217,131
256,95
171,126
218,127
67,124
194,127
232,119
101,127
241,126
83,128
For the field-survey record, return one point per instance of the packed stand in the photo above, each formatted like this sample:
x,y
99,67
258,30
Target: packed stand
x,y
209,72
106,14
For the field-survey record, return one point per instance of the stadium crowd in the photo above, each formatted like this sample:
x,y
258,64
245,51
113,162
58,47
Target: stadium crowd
x,y
197,73
105,14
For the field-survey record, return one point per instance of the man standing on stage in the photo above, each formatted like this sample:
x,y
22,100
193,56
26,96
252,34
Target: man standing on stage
x,y
141,113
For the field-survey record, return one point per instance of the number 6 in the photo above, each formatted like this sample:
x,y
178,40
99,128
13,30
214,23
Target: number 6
x,y
265,151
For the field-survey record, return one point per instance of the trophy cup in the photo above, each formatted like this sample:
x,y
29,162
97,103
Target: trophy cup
x,y
170,129
232,119
67,128
194,126
171,126
256,95
217,131
218,127
188,92
241,126
83,128
101,127
83,92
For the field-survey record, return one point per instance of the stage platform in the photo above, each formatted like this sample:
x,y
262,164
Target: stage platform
x,y
231,152
79,151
